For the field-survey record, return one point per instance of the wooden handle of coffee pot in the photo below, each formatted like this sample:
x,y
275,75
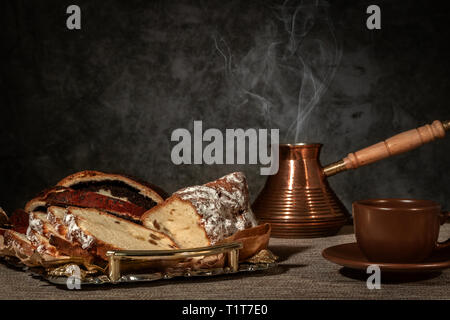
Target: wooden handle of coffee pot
x,y
397,144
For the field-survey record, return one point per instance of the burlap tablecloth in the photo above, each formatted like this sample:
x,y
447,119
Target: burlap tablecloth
x,y
302,274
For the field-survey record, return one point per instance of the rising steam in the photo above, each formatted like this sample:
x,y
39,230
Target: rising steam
x,y
288,69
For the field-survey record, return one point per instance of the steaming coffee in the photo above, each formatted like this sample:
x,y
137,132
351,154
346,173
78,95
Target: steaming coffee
x,y
398,230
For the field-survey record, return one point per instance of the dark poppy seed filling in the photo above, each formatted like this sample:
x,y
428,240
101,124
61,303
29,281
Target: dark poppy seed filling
x,y
118,189
125,217
40,209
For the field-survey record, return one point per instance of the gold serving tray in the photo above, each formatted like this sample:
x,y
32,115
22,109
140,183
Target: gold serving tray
x,y
119,260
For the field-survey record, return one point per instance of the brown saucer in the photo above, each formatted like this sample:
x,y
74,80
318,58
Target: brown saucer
x,y
349,255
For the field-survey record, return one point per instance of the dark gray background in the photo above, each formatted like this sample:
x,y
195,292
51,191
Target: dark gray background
x,y
107,97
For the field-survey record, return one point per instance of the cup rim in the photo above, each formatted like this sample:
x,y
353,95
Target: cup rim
x,y
377,204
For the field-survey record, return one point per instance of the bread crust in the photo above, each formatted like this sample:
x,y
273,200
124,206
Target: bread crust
x,y
19,221
64,197
88,199
145,188
39,199
100,247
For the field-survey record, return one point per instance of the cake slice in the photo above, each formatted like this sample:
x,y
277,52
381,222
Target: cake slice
x,y
55,216
42,244
125,188
93,228
24,240
203,215
18,243
38,207
48,239
38,230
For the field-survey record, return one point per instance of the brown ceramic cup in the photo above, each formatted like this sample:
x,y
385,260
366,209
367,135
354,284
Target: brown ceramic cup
x,y
398,230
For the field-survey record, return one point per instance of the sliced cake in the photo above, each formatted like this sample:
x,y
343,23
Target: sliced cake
x,y
93,228
18,242
55,216
48,239
203,215
44,220
41,243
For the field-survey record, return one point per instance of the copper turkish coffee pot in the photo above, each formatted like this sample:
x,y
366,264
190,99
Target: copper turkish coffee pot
x,y
298,201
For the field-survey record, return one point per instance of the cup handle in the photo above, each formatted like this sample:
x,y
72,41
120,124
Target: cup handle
x,y
446,244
